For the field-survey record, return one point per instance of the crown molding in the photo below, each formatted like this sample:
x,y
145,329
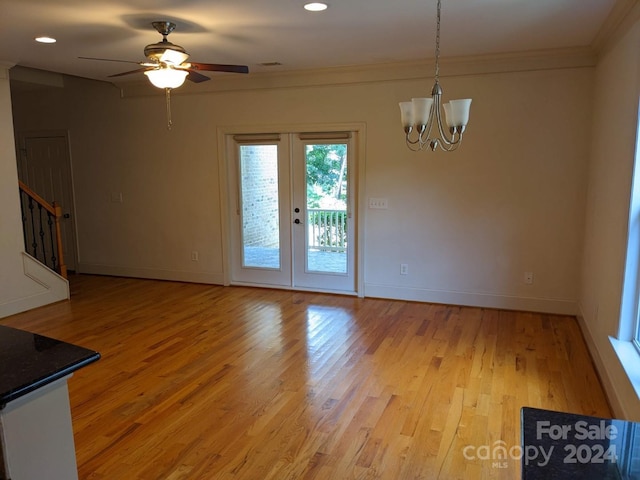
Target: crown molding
x,y
623,15
4,69
37,77
359,74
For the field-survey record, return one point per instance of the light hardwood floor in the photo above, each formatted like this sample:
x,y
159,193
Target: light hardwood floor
x,y
208,382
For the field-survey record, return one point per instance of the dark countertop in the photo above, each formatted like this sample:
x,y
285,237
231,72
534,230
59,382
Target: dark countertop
x,y
566,445
29,361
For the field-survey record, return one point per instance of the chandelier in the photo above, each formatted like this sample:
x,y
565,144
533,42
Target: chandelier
x,y
422,114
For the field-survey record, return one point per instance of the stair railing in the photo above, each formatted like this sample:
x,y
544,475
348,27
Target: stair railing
x,y
41,227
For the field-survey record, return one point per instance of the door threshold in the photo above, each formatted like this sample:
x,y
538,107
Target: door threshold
x,y
294,289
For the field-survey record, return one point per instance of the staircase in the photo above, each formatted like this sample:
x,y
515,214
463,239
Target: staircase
x,y
41,227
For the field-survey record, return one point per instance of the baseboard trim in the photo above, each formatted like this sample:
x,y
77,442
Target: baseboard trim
x,y
610,387
542,305
151,273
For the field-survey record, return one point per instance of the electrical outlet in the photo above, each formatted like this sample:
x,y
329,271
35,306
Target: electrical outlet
x,y
195,256
404,269
528,278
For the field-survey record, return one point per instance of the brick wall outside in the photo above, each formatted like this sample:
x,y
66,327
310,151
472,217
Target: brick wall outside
x,y
259,171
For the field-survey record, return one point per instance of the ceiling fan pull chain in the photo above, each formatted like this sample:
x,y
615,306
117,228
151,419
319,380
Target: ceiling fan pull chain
x,y
168,95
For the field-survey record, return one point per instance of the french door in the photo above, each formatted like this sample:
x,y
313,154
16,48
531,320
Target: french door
x,y
292,222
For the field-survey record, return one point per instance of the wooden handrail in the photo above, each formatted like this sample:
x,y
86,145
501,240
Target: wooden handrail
x,y
56,210
37,198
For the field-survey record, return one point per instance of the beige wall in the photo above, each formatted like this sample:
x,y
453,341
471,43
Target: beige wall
x,y
610,175
468,223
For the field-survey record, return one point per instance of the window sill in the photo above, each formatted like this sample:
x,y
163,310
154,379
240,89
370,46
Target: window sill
x,y
630,360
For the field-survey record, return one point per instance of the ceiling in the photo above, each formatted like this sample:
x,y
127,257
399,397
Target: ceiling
x,y
255,32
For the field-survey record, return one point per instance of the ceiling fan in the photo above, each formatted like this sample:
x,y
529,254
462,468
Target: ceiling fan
x,y
167,65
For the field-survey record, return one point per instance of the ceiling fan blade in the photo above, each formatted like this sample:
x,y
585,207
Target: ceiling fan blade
x,y
137,70
215,67
196,77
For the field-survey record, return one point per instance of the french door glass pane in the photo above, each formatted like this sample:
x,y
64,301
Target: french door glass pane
x,y
326,184
260,206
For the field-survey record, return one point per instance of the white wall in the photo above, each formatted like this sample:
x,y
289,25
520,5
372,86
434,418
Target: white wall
x,y
468,223
610,175
23,283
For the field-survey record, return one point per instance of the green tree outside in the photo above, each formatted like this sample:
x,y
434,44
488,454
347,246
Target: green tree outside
x,y
326,174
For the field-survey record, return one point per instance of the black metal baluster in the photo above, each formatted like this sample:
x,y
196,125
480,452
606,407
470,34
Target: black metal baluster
x,y
24,219
52,238
34,243
41,234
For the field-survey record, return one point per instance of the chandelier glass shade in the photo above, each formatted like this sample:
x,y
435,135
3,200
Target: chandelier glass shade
x,y
422,115
166,77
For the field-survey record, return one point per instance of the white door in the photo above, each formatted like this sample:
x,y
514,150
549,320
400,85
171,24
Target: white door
x,y
292,211
261,228
44,166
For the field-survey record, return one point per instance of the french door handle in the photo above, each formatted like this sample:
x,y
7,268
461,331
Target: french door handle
x,y
297,221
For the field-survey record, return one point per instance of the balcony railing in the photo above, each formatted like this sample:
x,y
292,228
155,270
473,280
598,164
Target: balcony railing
x,y
41,227
327,230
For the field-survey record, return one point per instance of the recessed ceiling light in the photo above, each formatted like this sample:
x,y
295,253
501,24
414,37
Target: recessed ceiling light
x,y
316,7
45,40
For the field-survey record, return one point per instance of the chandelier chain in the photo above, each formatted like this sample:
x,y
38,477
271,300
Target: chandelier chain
x,y
437,75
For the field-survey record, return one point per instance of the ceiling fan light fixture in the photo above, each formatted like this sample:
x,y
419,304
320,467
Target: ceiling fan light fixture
x,y
173,57
166,77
